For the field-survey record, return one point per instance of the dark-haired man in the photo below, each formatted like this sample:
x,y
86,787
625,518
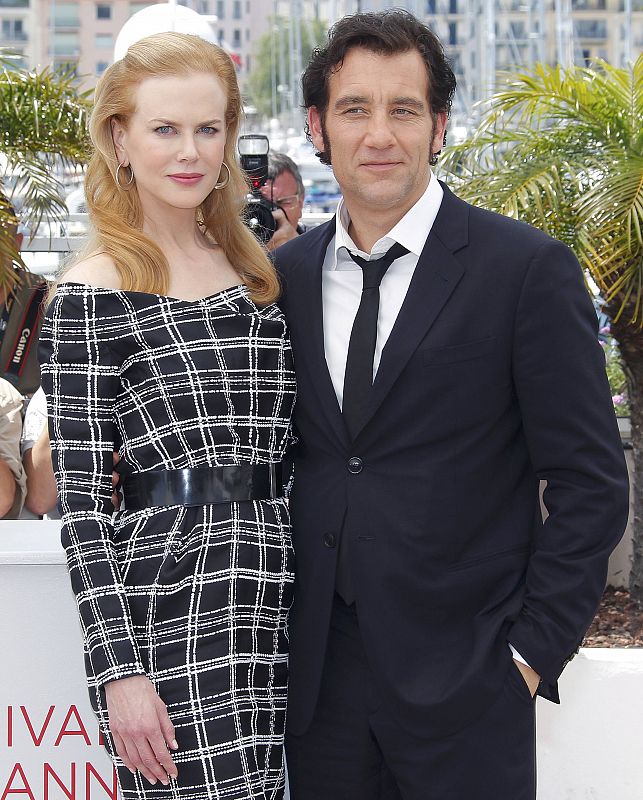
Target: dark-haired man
x,y
431,599
285,188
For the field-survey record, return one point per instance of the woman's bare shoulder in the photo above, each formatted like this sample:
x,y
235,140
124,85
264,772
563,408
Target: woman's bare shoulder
x,y
97,269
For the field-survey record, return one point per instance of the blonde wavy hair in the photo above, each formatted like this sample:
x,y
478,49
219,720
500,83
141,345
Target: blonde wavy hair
x,y
116,214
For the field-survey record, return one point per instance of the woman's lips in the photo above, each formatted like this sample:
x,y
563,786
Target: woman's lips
x,y
186,179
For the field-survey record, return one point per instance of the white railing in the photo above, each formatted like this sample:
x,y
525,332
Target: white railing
x,y
45,252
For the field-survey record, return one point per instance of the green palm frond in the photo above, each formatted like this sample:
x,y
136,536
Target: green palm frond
x,y
43,129
563,150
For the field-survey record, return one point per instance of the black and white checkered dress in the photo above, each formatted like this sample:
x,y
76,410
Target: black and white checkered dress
x,y
196,598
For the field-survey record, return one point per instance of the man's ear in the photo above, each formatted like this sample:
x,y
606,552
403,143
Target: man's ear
x,y
19,239
315,128
439,128
118,137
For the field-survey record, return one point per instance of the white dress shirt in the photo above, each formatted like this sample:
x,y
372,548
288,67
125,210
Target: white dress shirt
x,y
342,284
342,280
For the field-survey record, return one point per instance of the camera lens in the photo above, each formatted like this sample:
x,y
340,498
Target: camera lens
x,y
258,217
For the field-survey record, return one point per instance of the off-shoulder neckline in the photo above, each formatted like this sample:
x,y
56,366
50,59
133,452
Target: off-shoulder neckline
x,y
90,287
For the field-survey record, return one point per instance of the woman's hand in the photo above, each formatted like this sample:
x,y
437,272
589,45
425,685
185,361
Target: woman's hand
x,y
141,728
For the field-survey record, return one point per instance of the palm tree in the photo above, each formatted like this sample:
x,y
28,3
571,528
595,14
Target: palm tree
x,y
563,150
43,127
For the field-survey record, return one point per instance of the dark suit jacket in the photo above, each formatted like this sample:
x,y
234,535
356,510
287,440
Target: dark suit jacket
x,y
492,380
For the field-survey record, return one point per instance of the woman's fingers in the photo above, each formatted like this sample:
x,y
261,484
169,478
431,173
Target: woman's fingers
x,y
162,757
119,744
153,756
145,762
138,720
167,728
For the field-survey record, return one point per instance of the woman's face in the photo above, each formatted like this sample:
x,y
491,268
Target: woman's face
x,y
174,140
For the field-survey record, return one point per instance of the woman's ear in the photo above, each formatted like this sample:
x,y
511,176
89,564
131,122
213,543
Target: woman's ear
x,y
119,137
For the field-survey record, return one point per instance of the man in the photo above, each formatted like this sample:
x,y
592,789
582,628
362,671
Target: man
x,y
431,600
285,188
20,319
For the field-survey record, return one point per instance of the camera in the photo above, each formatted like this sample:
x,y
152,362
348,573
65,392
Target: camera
x,y
257,215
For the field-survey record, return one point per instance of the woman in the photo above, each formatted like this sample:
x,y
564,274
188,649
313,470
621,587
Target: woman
x,y
164,343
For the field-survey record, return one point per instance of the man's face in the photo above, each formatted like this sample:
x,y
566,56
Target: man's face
x,y
379,130
283,192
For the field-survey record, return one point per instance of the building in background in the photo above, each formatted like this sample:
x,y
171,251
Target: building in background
x,y
482,37
82,34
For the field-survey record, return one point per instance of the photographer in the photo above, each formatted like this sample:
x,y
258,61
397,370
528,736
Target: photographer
x,y
20,317
285,188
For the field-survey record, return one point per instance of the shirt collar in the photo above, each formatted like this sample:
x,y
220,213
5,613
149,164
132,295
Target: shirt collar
x,y
411,231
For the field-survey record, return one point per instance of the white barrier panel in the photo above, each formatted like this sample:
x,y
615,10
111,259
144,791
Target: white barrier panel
x,y
49,739
589,748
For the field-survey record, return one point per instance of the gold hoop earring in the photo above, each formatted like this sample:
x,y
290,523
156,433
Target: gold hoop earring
x,y
222,184
124,186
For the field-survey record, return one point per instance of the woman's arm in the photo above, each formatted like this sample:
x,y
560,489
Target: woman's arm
x,y
80,377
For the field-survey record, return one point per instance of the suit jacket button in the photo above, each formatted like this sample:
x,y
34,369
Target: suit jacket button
x,y
330,540
355,465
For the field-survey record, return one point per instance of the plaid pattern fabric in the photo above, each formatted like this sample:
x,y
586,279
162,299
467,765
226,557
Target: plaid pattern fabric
x,y
195,598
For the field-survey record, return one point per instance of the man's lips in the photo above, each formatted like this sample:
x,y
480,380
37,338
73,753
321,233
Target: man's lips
x,y
380,165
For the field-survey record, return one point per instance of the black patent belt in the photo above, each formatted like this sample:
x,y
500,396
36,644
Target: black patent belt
x,y
201,486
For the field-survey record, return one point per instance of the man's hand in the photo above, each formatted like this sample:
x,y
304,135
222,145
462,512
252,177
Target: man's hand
x,y
141,728
285,231
116,497
532,678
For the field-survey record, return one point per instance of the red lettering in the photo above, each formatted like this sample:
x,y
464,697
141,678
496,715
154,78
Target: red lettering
x,y
82,731
24,789
48,771
101,738
37,739
89,771
9,726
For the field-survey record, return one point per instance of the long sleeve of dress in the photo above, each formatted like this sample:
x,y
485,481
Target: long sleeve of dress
x,y
80,380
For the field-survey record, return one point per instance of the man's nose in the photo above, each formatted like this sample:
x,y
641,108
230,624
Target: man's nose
x,y
379,132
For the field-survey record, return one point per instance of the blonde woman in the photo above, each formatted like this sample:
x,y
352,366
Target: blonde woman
x,y
164,343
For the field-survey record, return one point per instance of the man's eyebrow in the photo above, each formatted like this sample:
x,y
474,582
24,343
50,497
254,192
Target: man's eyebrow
x,y
352,100
411,102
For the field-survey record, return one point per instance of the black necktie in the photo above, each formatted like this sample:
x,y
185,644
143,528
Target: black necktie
x,y
358,379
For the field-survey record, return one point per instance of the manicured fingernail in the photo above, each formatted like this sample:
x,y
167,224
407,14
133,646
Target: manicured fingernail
x,y
133,771
174,744
174,775
152,781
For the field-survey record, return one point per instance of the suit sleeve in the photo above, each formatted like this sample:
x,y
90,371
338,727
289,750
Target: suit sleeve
x,y
80,380
574,444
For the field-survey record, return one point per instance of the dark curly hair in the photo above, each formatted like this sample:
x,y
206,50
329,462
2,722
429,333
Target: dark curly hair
x,y
386,33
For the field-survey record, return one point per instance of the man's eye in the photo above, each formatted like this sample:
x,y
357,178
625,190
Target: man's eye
x,y
354,110
402,112
163,129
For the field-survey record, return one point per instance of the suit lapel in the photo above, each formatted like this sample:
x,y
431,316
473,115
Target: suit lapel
x,y
436,275
304,287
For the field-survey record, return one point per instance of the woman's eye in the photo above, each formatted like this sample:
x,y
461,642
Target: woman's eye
x,y
209,130
163,129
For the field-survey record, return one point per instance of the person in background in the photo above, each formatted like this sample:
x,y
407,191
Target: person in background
x,y
285,188
13,482
20,320
42,497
